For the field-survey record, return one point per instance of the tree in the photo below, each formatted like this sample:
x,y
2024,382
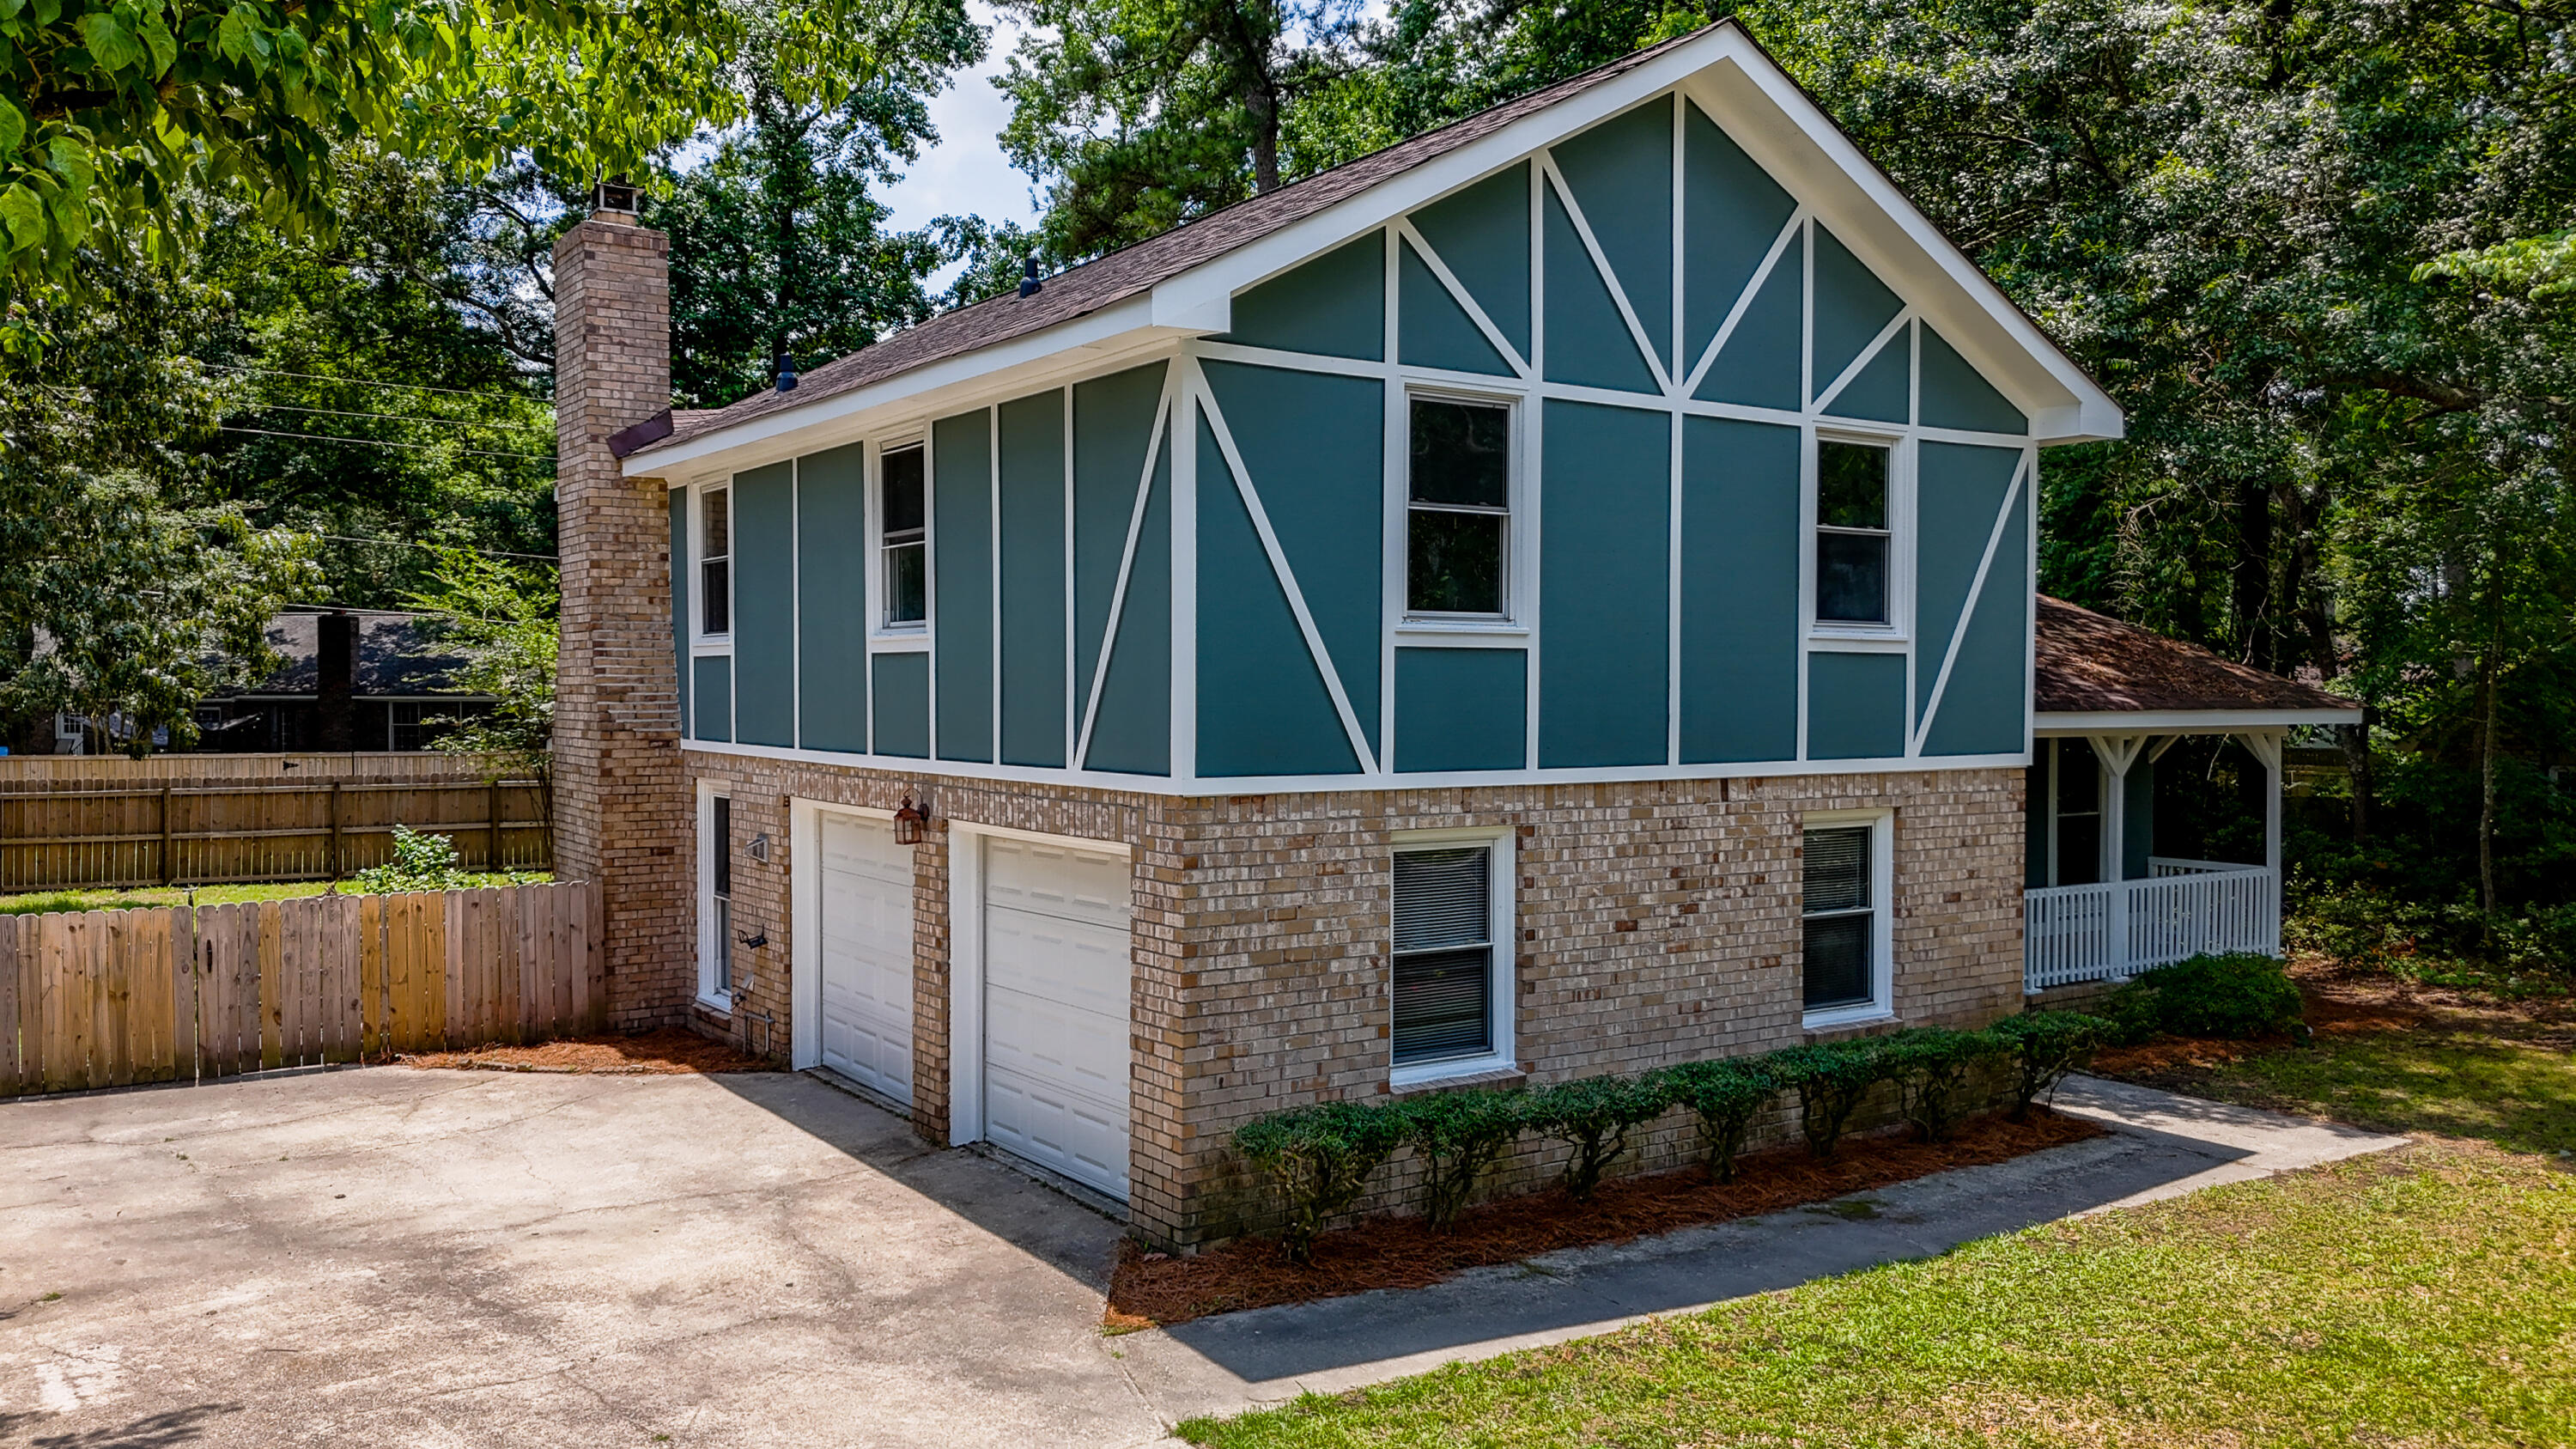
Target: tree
x,y
502,616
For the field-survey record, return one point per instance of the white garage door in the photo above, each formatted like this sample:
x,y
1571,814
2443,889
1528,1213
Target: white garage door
x,y
867,954
1056,972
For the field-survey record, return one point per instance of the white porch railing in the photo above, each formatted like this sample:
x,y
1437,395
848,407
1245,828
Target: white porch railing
x,y
2119,928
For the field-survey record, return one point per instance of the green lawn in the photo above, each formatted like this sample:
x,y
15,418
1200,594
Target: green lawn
x,y
38,902
2421,1297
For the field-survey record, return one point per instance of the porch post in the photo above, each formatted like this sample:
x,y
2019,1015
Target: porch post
x,y
2266,746
2117,753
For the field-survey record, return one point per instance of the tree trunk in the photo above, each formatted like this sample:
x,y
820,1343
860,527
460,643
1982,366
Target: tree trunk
x,y
2487,792
2355,740
2250,583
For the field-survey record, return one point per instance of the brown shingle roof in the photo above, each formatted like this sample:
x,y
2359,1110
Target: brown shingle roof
x,y
2088,663
1088,288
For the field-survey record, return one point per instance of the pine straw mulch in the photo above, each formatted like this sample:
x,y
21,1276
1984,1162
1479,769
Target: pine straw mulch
x,y
1149,1289
669,1051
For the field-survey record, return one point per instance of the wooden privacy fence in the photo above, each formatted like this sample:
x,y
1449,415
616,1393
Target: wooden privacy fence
x,y
111,998
62,835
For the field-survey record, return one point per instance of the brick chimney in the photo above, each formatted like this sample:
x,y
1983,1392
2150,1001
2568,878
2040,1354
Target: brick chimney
x,y
621,803
335,660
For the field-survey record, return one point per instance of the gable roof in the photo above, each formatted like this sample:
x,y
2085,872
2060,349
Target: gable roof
x,y
2089,663
398,655
1141,270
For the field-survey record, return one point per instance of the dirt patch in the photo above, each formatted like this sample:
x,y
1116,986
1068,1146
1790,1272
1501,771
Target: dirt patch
x,y
666,1052
1400,1252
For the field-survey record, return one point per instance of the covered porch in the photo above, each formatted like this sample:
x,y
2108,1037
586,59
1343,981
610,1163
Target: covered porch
x,y
2100,903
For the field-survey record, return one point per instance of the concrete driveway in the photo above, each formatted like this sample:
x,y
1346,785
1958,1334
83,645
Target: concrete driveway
x,y
397,1257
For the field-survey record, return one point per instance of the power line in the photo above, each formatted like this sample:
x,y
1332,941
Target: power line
x,y
380,443
361,381
415,543
388,417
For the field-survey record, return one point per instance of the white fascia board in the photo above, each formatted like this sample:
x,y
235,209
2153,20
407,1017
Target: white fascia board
x,y
1778,126
1120,334
2185,721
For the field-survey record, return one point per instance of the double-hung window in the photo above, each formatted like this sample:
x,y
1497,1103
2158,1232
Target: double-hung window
x,y
1452,1005
1458,509
1844,903
904,537
1855,537
716,951
715,567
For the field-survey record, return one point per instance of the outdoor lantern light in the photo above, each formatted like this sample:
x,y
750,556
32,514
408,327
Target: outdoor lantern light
x,y
908,822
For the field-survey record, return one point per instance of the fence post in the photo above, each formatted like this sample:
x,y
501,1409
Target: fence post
x,y
168,864
492,813
336,872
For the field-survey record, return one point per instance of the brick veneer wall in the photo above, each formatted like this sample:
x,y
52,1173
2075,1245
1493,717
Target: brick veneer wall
x,y
622,810
1658,922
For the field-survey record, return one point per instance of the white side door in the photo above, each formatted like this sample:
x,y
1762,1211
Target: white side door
x,y
866,996
1056,981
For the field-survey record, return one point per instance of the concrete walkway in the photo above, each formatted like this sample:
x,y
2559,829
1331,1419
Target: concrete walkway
x,y
452,1259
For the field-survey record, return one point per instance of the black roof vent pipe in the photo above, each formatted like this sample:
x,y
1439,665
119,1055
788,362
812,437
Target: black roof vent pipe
x,y
786,372
1029,283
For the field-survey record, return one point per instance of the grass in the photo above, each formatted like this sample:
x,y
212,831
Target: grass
x,y
2420,1297
39,902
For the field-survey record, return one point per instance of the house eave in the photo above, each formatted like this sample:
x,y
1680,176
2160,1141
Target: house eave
x,y
2067,724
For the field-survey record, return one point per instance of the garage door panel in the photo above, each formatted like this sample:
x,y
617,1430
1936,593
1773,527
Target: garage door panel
x,y
1032,1116
1085,1052
866,950
1076,965
1077,885
1057,979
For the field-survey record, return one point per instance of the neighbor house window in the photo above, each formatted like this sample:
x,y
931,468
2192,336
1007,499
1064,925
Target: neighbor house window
x,y
1844,903
905,535
718,951
1853,536
715,571
1452,929
1458,508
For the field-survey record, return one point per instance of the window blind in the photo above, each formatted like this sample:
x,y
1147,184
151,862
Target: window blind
x,y
1443,898
1841,919
1444,954
1837,870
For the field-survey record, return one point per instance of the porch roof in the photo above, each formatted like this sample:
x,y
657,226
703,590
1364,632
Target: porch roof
x,y
2093,672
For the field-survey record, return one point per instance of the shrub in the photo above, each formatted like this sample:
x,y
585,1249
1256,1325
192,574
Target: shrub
x,y
1319,1159
422,862
2230,997
2045,1046
1830,1078
1931,1066
1726,1096
1594,1116
1456,1136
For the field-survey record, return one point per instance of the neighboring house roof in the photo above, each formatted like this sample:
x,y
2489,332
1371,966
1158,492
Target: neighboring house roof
x,y
388,661
1154,265
2086,663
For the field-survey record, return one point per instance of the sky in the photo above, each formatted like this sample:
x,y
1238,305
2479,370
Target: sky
x,y
966,174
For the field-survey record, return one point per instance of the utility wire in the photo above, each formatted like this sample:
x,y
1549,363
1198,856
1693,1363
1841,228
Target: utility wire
x,y
380,443
361,381
388,417
415,543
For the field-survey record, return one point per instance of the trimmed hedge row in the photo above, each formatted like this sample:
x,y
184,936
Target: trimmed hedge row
x,y
1318,1159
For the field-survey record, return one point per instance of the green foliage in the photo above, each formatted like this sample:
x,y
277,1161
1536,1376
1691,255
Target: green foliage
x,y
1455,1137
2045,1046
1933,1067
502,616
2233,997
2540,267
1726,1095
1593,1116
1831,1079
422,862
1318,1159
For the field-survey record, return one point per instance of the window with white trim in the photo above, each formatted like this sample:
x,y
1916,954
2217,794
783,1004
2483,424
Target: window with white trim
x,y
715,561
1452,957
715,948
1855,533
1458,509
1844,902
903,537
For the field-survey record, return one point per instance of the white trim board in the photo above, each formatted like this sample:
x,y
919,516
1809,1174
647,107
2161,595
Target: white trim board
x,y
2186,721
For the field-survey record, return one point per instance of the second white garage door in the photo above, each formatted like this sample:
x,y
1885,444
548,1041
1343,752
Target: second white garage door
x,y
867,955
1056,970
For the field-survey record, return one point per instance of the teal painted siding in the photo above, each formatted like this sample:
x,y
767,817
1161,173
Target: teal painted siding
x,y
1956,395
1483,237
1334,305
1981,707
1131,732
1852,306
1732,211
1883,390
1113,430
1587,341
1621,174
1740,554
832,599
1461,709
1315,447
1262,705
1958,493
1603,659
764,606
1033,541
711,691
1433,330
961,608
900,700
680,570
1758,366
1855,706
